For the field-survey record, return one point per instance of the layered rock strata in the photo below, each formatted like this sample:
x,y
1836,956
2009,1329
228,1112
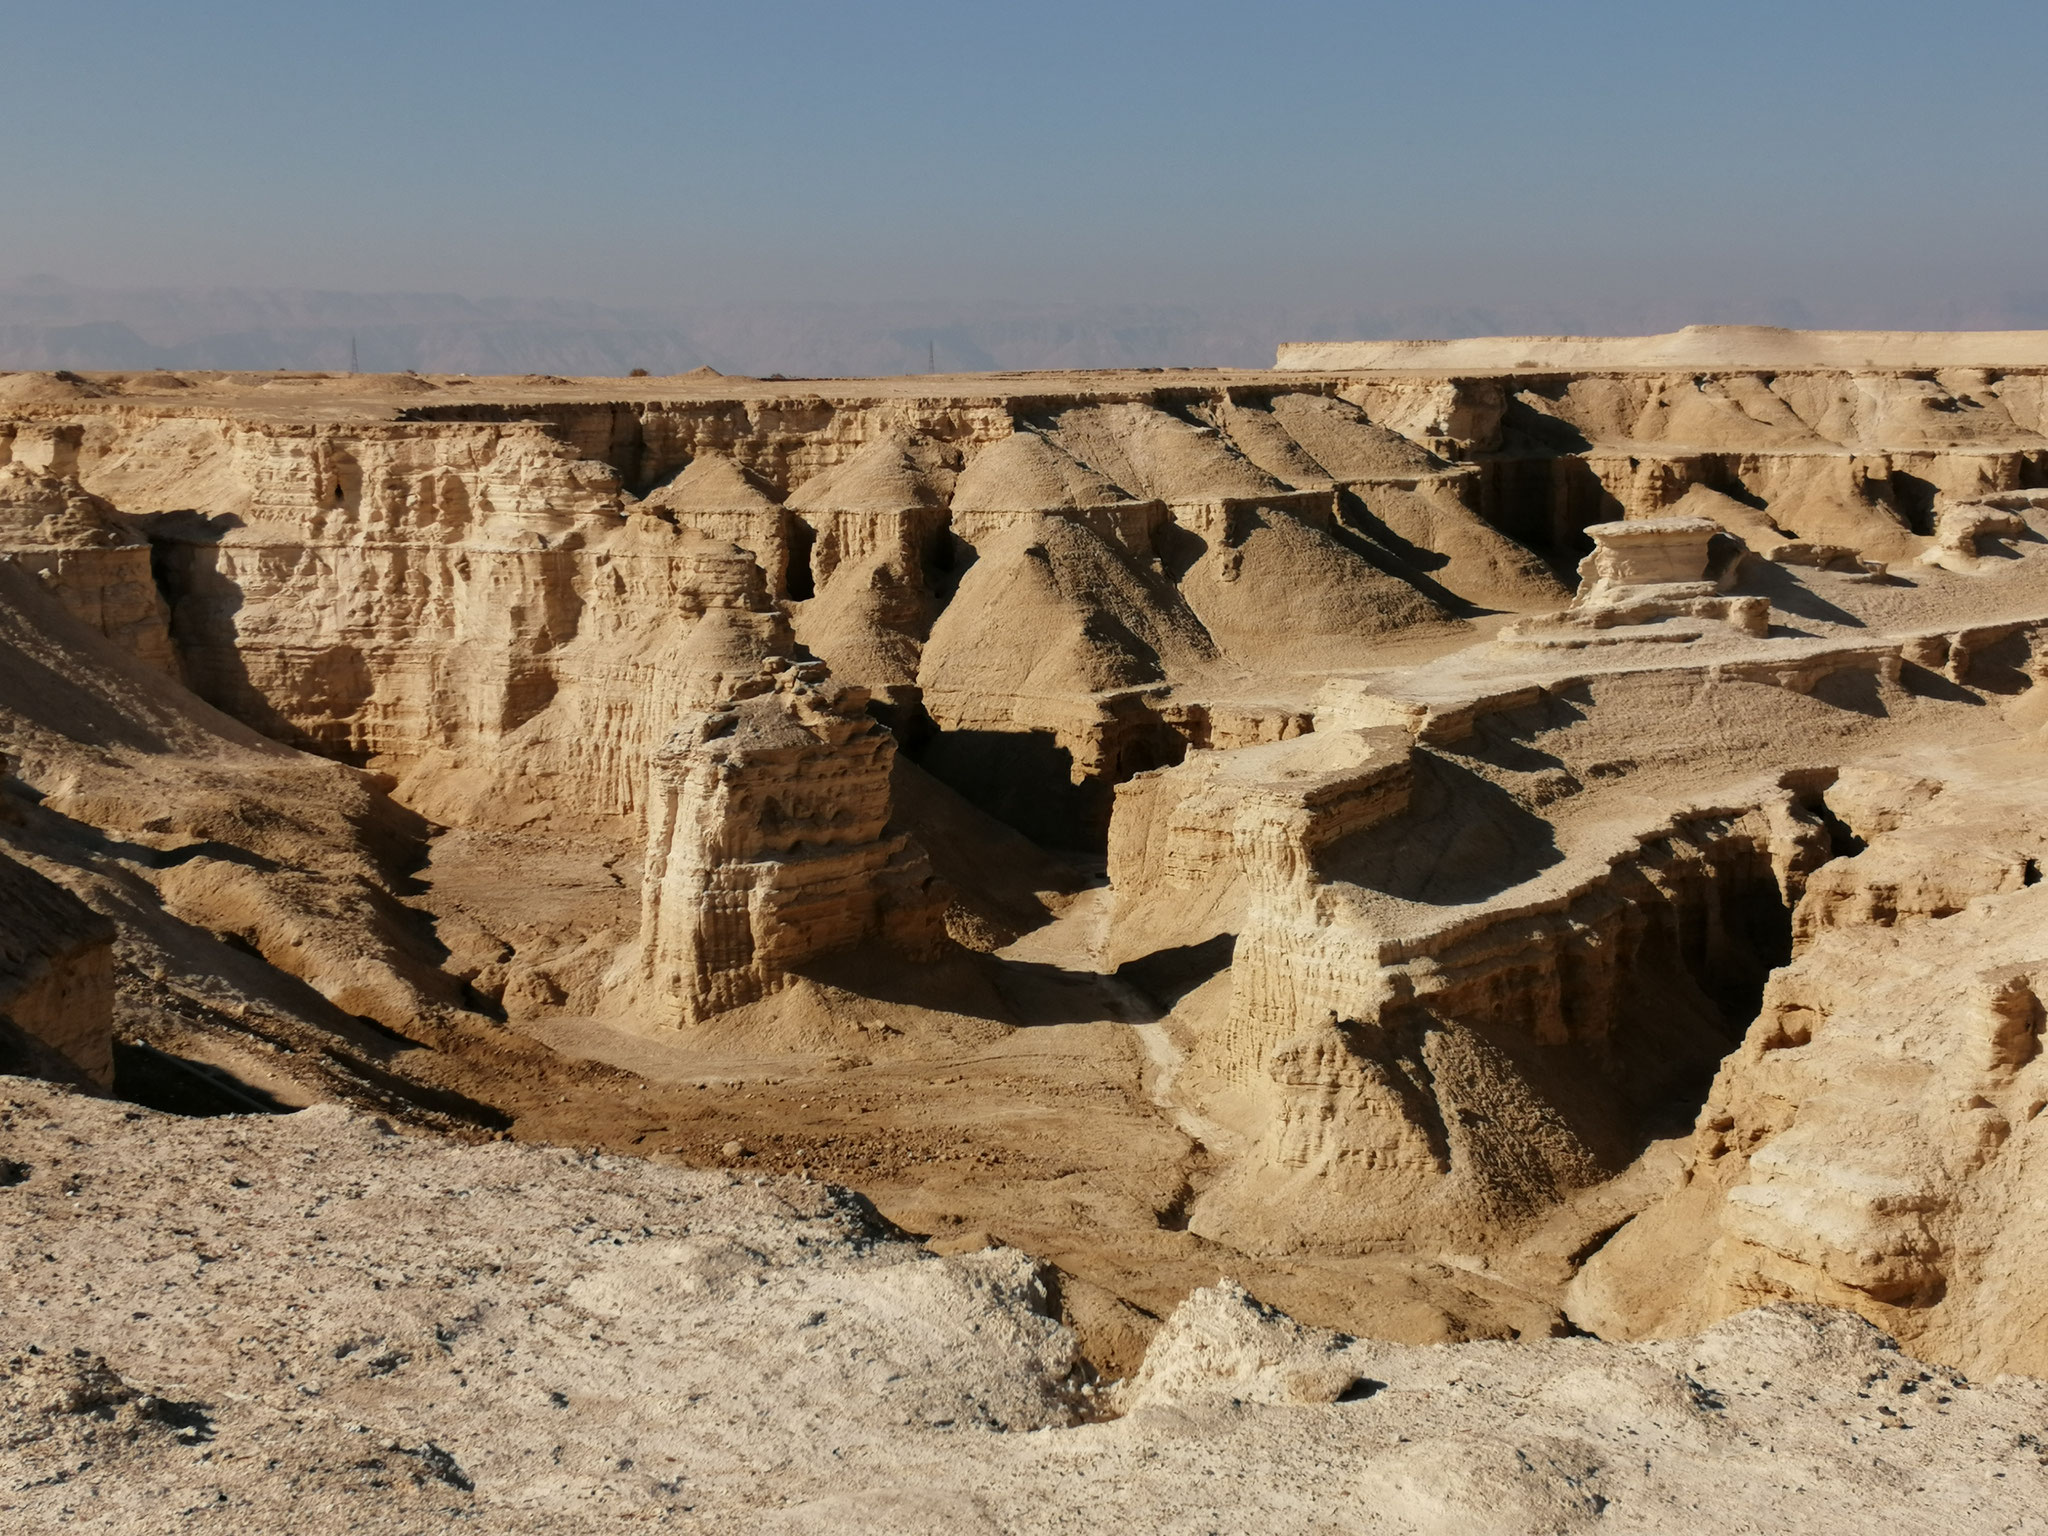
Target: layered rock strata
x,y
1481,922
1967,534
1417,1001
465,540
1025,476
246,942
768,846
719,497
1872,1139
94,560
1644,572
1192,848
483,618
1426,1076
874,526
848,524
510,1337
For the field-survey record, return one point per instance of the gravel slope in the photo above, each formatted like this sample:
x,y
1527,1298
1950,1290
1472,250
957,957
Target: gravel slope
x,y
315,1322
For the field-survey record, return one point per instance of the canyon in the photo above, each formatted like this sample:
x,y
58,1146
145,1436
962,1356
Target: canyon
x,y
1416,916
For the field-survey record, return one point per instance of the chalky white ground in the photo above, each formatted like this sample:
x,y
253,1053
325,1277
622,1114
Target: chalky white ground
x,y
318,1321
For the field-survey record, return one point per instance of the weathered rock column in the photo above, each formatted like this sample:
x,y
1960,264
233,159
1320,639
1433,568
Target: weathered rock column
x,y
768,845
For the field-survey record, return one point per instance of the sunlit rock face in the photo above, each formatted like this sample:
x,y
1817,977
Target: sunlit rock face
x,y
768,844
1179,823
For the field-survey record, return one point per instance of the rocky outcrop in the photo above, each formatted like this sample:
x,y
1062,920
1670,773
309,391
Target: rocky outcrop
x,y
1664,551
1760,533
56,981
1414,510
1852,458
1429,1077
720,498
1042,733
875,525
1193,848
253,891
1146,547
473,553
1418,1003
768,846
1026,476
470,608
1644,572
94,560
1968,534
1435,923
1873,1140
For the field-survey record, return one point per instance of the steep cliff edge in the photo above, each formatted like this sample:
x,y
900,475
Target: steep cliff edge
x,y
1339,903
1873,1140
768,846
96,562
489,602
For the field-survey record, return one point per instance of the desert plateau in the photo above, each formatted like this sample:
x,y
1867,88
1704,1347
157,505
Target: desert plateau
x,y
1443,937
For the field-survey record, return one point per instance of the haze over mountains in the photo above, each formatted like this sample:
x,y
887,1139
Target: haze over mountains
x,y
46,322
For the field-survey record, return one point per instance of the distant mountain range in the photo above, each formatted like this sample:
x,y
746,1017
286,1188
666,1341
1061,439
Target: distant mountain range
x,y
48,323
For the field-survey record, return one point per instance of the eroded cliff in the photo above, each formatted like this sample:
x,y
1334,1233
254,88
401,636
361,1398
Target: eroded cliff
x,y
1402,838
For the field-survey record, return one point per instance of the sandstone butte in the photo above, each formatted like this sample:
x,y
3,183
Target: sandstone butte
x,y
1448,937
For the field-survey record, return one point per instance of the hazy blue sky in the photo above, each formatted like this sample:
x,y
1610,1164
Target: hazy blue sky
x,y
1850,163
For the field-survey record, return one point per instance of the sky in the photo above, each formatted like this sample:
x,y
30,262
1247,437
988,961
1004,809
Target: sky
x,y
1845,164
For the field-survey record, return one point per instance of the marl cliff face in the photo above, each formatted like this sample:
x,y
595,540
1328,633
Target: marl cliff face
x,y
1401,837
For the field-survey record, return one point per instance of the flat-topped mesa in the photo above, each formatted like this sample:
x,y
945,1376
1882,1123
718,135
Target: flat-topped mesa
x,y
1654,551
768,845
1648,569
1195,847
1423,1078
1696,346
48,448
